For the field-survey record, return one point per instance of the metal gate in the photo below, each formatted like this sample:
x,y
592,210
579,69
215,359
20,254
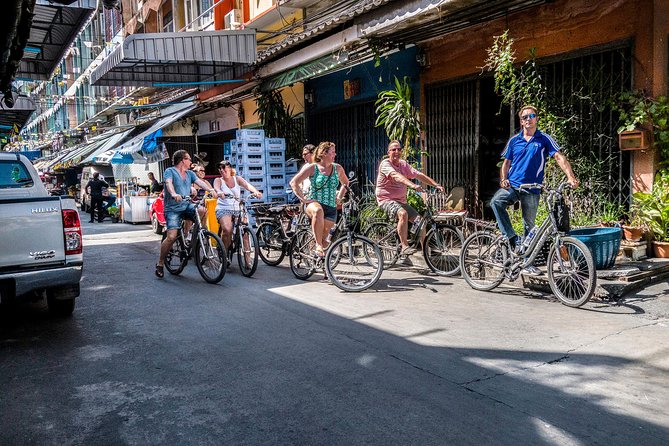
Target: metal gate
x,y
452,129
360,145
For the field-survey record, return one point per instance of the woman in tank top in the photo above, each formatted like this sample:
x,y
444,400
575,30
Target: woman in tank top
x,y
321,202
227,208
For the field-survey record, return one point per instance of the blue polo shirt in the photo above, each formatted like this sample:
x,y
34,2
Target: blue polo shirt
x,y
181,187
528,158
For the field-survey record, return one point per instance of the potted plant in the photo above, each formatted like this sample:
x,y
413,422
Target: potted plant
x,y
653,209
113,213
636,228
609,215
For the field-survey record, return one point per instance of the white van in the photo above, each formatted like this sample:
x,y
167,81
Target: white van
x,y
106,173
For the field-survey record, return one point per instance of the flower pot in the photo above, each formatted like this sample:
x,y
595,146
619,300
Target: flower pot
x,y
633,233
114,219
661,249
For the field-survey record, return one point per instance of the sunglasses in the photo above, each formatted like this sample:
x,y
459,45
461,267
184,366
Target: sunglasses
x,y
529,116
395,149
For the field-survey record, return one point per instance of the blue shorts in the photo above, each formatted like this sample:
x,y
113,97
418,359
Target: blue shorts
x,y
173,218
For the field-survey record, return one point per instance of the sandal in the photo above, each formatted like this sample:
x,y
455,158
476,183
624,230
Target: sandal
x,y
408,251
318,252
160,271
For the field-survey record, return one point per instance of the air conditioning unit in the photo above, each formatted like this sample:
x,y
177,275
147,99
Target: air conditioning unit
x,y
233,19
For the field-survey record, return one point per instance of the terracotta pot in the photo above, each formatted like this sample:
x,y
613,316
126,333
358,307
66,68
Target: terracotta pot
x,y
633,233
661,249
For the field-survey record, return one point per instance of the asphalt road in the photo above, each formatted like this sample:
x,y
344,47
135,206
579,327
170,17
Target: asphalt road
x,y
273,360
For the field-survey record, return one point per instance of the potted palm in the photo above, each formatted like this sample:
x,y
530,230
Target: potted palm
x,y
113,213
653,209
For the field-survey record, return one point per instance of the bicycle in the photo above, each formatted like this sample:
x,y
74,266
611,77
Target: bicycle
x,y
276,229
441,245
487,258
205,246
352,261
244,240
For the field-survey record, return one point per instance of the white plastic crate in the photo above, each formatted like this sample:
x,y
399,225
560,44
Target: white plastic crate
x,y
277,200
275,167
257,182
276,190
275,144
227,149
291,166
275,155
255,200
250,147
276,179
251,135
246,159
255,170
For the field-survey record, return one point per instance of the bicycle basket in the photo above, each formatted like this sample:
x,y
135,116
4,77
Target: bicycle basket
x,y
561,214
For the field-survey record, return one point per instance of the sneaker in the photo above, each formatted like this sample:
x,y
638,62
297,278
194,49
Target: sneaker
x,y
531,270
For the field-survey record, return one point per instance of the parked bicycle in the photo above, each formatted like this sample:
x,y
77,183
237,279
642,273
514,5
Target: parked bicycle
x,y
244,240
441,245
487,258
205,246
352,261
277,225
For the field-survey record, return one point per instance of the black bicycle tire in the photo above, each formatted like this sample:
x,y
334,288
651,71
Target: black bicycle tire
x,y
177,249
295,243
591,281
333,277
465,272
247,272
260,236
426,244
222,255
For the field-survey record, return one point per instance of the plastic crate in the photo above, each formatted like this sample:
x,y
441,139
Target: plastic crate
x,y
246,159
275,155
277,200
257,182
250,147
291,166
255,200
603,243
276,190
250,135
275,144
227,150
255,170
275,167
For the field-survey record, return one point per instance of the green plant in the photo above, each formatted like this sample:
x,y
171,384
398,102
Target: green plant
x,y
278,121
653,208
113,211
638,110
399,117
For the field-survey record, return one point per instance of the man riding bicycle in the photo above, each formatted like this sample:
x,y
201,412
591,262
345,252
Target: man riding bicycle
x,y
525,157
394,176
178,182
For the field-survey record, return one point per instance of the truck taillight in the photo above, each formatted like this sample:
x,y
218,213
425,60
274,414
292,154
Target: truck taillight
x,y
72,229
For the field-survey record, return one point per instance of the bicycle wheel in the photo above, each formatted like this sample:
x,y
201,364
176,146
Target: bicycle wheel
x,y
358,265
482,260
302,261
270,243
441,249
571,272
247,253
210,257
177,257
386,237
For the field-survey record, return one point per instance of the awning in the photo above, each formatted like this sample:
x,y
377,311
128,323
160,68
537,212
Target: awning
x,y
54,28
13,119
146,59
103,154
81,152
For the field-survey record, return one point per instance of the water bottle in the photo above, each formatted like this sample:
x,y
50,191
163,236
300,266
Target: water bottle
x,y
293,224
529,237
415,225
330,234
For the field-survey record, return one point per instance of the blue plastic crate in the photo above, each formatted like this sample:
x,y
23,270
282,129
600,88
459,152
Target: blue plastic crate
x,y
603,243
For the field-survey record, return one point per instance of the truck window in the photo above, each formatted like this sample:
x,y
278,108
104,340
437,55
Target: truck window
x,y
13,174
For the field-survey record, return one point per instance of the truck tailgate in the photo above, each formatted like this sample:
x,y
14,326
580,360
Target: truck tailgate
x,y
32,232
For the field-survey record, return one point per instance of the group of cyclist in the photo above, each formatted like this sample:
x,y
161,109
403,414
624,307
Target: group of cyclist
x,y
321,185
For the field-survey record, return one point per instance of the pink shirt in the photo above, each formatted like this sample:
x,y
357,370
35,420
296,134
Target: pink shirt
x,y
389,189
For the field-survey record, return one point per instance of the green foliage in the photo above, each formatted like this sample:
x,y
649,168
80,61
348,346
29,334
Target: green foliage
x,y
398,116
278,121
415,200
638,110
113,211
653,208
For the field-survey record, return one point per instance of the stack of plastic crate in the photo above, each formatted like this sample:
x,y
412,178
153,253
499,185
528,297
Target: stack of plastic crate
x,y
249,153
275,167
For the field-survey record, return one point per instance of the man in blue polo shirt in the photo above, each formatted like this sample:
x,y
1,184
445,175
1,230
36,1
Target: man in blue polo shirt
x,y
525,157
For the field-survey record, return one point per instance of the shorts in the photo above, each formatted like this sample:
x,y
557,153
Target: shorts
x,y
393,207
174,218
329,212
220,212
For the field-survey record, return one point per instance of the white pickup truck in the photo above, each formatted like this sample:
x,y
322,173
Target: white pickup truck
x,y
41,247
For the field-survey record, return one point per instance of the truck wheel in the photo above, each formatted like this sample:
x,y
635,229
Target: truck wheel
x,y
61,300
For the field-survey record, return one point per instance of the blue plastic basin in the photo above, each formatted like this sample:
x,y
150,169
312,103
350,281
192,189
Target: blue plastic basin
x,y
603,243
